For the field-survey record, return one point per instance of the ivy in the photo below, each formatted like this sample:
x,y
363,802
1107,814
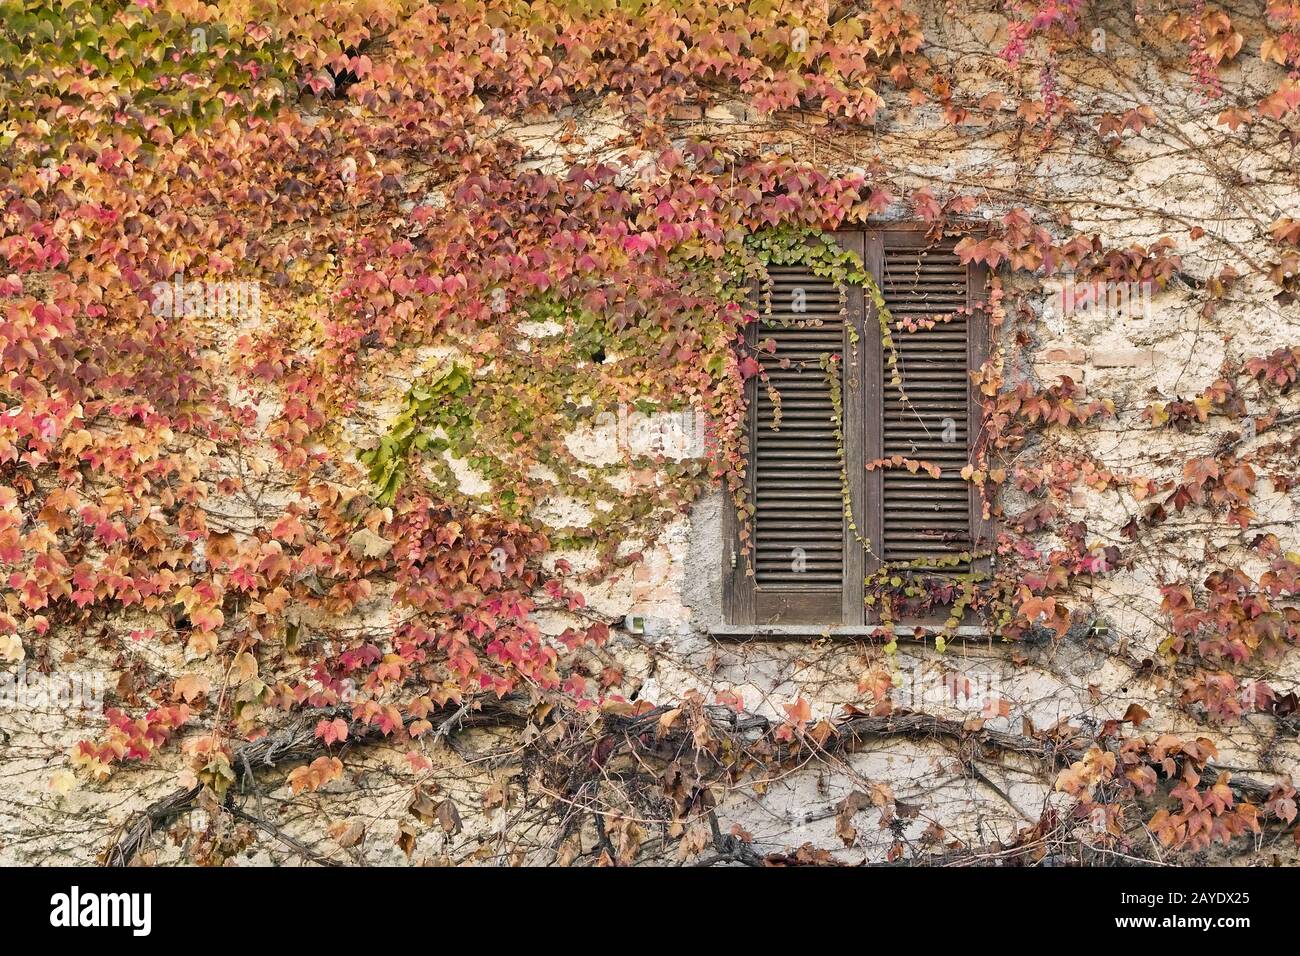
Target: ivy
x,y
436,405
186,494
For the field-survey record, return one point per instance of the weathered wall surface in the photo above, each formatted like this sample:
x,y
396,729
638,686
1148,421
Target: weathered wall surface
x,y
1161,183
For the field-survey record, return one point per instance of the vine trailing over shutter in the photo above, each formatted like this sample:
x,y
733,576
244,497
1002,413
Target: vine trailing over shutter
x,y
805,475
927,519
798,511
859,427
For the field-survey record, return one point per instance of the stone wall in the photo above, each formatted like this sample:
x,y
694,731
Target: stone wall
x,y
1164,182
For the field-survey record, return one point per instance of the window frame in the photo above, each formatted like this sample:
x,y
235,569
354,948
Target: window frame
x,y
746,607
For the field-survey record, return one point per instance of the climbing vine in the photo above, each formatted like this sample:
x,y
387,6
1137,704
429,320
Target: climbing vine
x,y
352,355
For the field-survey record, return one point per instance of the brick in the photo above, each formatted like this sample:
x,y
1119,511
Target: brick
x,y
801,118
1049,373
1123,358
1064,356
730,112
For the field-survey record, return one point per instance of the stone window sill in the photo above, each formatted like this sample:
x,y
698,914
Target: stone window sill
x,y
780,632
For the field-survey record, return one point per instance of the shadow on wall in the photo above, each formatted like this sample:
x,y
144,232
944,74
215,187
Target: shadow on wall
x,y
706,550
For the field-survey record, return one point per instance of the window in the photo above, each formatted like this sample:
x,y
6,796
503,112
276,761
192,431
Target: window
x,y
839,412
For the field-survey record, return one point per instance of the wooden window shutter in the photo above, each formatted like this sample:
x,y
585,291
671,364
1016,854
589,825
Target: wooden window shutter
x,y
806,562
936,415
